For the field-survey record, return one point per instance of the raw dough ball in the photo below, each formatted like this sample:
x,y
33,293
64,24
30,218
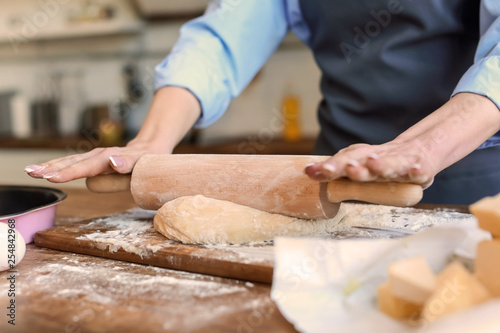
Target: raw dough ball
x,y
201,220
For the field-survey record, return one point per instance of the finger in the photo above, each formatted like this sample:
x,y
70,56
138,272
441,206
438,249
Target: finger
x,y
314,171
420,175
401,168
334,167
35,170
330,169
346,162
52,166
355,171
123,163
86,168
339,166
390,167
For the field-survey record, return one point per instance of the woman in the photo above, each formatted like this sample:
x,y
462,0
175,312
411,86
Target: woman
x,y
389,69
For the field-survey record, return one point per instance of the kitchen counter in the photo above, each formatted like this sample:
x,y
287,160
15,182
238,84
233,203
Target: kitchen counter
x,y
65,292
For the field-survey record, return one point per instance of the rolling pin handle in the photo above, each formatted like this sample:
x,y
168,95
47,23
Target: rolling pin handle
x,y
109,183
382,193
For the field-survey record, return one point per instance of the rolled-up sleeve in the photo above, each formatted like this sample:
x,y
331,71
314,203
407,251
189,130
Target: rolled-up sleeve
x,y
484,76
219,53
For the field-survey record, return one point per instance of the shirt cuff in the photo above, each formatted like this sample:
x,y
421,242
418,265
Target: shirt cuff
x,y
482,78
196,77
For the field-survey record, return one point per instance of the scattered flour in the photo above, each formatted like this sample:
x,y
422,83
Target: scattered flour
x,y
127,232
133,230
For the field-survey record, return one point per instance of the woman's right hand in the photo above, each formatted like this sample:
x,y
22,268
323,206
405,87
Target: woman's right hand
x,y
95,162
172,114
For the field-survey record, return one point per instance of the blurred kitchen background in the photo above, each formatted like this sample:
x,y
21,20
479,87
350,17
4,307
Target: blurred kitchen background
x,y
76,74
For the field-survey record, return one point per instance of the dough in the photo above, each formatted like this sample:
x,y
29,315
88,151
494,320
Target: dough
x,y
201,220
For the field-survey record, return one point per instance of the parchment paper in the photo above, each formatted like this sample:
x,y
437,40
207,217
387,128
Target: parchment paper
x,y
330,285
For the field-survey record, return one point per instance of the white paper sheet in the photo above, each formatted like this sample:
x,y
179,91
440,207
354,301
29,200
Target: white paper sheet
x,y
330,285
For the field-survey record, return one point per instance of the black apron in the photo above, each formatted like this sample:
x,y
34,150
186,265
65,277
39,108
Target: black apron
x,y
388,64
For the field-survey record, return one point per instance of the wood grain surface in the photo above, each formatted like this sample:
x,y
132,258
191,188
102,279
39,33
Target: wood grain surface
x,y
247,263
69,293
65,292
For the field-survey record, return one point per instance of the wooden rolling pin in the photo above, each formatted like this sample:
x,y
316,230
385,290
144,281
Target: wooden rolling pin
x,y
273,183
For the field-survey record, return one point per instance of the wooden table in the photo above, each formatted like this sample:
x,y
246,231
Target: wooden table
x,y
71,293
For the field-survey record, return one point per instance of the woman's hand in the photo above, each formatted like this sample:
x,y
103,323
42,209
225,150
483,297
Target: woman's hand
x,y
417,155
388,162
172,114
94,162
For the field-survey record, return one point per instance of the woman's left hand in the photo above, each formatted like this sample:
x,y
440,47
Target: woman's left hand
x,y
388,162
418,154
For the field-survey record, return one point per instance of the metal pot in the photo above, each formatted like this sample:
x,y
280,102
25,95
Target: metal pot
x,y
32,208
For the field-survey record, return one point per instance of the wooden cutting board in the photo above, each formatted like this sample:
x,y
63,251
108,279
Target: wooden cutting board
x,y
130,237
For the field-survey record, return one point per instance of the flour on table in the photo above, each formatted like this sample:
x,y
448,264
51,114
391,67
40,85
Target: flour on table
x,y
129,229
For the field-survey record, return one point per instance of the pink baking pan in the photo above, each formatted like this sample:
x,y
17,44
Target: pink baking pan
x,y
33,208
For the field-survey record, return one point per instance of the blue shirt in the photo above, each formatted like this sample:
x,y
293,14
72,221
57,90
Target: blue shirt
x,y
219,53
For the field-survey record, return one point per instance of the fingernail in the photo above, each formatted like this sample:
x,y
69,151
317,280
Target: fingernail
x,y
318,173
353,163
329,167
49,175
373,156
117,161
34,167
309,164
416,166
